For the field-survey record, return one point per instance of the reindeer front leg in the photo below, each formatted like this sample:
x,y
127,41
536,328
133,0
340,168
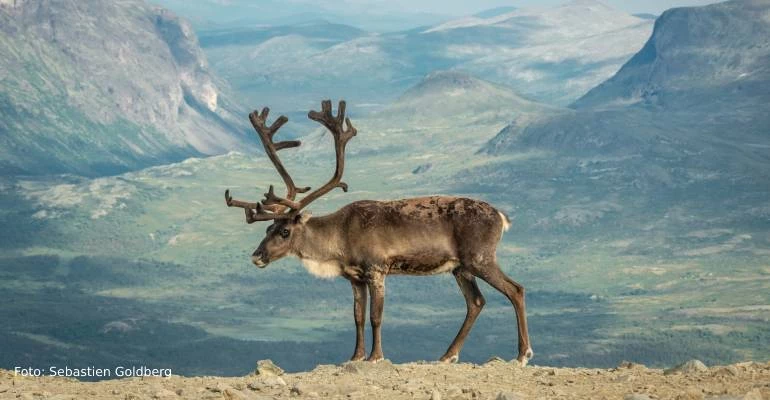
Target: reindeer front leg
x,y
359,313
376,282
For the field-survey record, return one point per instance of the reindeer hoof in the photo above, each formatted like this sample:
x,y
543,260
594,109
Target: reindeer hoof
x,y
523,359
451,359
375,359
358,358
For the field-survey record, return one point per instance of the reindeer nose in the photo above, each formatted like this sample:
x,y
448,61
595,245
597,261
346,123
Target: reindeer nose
x,y
258,258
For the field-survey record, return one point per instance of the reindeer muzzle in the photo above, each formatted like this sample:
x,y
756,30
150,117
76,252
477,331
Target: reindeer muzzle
x,y
259,259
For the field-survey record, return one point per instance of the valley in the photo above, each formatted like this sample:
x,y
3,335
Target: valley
x,y
641,222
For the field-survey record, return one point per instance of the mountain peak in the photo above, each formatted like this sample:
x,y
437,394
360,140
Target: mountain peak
x,y
448,95
587,3
494,12
447,80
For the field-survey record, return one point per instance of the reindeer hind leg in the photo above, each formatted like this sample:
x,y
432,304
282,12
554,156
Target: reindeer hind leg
x,y
495,277
474,302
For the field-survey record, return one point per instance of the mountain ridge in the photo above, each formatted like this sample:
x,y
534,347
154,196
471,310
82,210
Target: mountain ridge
x,y
100,88
700,80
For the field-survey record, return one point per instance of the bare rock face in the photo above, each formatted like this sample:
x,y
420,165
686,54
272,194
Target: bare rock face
x,y
95,86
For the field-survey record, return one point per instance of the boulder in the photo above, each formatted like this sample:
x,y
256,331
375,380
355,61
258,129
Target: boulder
x,y
510,396
636,396
268,368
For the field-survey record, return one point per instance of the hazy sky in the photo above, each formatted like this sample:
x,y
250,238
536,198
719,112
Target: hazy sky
x,y
465,7
374,15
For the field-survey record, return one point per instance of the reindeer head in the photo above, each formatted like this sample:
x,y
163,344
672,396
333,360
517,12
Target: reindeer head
x,y
285,212
279,240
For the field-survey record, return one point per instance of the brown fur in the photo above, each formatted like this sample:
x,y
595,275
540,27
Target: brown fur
x,y
367,240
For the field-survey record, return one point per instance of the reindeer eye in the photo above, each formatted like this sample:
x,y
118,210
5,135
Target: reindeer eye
x,y
285,233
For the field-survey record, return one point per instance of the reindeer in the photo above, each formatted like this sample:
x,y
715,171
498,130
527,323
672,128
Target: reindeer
x,y
367,240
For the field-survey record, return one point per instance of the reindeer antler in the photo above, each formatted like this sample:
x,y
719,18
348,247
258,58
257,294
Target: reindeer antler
x,y
274,207
341,138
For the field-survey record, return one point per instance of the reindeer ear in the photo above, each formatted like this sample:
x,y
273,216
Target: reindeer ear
x,y
302,217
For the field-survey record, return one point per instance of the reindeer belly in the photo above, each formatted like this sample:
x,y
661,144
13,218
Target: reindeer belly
x,y
422,264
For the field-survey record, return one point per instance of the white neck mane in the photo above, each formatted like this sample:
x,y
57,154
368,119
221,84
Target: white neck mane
x,y
322,269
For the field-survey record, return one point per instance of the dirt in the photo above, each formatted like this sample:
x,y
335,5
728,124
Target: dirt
x,y
496,379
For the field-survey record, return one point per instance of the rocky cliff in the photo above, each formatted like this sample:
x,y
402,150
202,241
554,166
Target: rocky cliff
x,y
94,87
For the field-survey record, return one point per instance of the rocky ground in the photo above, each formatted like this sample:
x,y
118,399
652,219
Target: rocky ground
x,y
495,379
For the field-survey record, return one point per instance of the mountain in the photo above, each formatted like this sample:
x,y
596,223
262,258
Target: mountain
x,y
683,125
640,230
494,12
314,29
93,87
701,81
552,55
215,14
459,97
696,57
645,16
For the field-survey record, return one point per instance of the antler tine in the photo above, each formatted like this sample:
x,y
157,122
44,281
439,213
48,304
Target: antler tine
x,y
259,121
335,125
271,200
254,211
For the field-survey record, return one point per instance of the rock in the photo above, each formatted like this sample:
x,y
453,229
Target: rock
x,y
545,371
454,392
312,390
753,395
164,394
636,396
435,395
411,387
509,396
630,365
274,381
268,368
623,378
690,394
216,388
689,367
729,370
495,359
365,367
233,394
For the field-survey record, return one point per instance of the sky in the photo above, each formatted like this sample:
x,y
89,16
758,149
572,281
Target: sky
x,y
372,15
465,7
